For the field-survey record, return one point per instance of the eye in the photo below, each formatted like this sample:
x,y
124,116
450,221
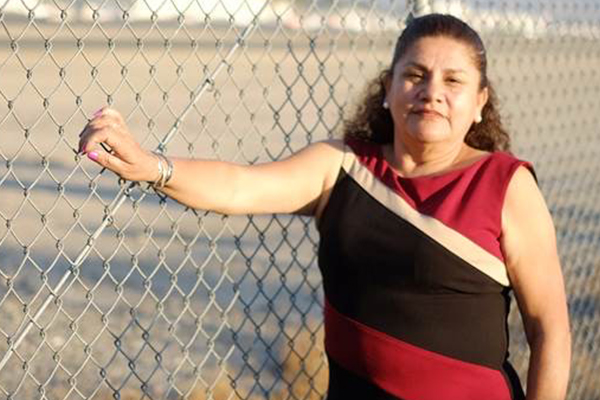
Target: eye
x,y
413,76
454,81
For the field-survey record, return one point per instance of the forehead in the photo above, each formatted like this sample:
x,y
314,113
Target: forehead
x,y
440,52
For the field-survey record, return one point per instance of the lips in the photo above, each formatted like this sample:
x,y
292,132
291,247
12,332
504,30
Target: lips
x,y
428,113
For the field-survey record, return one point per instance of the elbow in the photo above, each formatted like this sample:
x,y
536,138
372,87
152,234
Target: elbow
x,y
550,335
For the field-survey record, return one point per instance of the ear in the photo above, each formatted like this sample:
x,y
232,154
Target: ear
x,y
387,82
482,99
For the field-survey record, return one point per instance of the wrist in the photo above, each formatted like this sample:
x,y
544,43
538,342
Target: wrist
x,y
153,170
164,168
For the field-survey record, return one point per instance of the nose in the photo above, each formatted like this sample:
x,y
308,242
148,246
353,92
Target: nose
x,y
431,90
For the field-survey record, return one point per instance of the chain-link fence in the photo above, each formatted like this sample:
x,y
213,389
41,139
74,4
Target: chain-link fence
x,y
110,291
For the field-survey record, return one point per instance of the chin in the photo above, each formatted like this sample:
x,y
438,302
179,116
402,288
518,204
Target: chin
x,y
428,136
426,132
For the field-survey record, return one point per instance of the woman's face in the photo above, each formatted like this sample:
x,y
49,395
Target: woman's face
x,y
434,93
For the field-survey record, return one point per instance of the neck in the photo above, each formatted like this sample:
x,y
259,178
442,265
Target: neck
x,y
414,159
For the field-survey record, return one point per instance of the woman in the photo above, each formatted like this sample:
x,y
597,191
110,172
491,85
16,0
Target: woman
x,y
426,225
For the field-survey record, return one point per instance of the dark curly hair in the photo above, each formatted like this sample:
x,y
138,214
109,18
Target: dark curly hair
x,y
373,123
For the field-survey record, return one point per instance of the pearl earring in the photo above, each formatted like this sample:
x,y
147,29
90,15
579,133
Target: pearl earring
x,y
386,105
478,119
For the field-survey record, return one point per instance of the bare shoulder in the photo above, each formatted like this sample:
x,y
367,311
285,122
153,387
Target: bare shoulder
x,y
326,156
523,192
526,221
331,153
333,150
331,147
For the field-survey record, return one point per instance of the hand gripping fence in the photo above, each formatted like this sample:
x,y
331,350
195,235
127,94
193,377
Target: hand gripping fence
x,y
125,190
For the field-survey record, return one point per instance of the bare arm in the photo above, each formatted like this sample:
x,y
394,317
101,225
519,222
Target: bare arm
x,y
529,245
293,185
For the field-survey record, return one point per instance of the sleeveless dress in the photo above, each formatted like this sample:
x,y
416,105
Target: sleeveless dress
x,y
416,288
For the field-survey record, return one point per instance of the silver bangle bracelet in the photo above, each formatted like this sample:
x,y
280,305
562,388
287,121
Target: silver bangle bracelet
x,y
165,170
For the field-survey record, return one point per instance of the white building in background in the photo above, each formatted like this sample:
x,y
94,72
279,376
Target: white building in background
x,y
242,13
356,20
498,17
528,19
238,12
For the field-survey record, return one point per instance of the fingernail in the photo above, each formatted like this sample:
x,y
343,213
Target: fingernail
x,y
93,155
97,113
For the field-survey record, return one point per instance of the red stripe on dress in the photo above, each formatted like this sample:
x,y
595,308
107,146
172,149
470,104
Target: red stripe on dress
x,y
480,186
404,370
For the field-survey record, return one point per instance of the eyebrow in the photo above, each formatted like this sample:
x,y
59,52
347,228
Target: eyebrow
x,y
413,64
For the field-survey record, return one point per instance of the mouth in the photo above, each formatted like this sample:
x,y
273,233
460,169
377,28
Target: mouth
x,y
427,113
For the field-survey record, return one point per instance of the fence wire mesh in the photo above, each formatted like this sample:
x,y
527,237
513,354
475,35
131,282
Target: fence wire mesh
x,y
110,291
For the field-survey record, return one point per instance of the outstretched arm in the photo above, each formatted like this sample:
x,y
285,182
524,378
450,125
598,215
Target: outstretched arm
x,y
529,245
292,185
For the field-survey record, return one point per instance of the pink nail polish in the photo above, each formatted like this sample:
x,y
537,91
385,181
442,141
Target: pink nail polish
x,y
97,113
93,155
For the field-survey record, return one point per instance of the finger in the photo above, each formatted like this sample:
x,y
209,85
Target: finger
x,y
91,137
106,148
103,131
107,112
109,116
108,161
98,113
114,113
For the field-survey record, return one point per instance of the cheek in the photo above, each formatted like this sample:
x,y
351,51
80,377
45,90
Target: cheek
x,y
401,100
463,108
400,89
